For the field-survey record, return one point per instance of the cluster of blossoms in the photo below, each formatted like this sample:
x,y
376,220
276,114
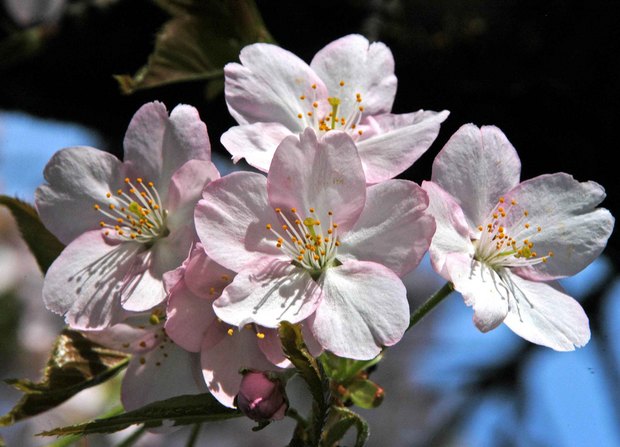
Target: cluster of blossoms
x,y
192,272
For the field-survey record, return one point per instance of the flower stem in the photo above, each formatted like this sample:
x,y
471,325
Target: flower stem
x,y
429,304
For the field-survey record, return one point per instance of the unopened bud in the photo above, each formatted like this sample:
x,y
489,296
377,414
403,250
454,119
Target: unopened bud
x,y
261,397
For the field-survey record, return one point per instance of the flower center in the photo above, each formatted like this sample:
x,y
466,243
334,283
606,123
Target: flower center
x,y
506,240
136,214
342,114
306,241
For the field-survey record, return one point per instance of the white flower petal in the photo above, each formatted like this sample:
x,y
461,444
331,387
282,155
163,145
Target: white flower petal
x,y
392,143
157,145
571,225
85,282
267,293
477,166
482,288
255,142
364,308
324,174
452,233
366,68
77,178
267,85
231,219
394,228
546,316
159,374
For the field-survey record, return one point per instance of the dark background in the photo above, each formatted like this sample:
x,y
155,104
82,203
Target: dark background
x,y
544,72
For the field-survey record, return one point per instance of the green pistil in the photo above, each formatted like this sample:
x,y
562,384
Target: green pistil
x,y
334,102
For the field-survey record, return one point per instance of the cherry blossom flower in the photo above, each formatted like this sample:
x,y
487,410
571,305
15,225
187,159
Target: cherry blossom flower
x,y
224,350
349,85
503,243
158,369
311,241
125,223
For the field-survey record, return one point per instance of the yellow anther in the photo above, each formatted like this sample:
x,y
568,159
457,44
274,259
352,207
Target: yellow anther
x,y
96,207
139,180
260,335
268,226
341,83
302,97
313,86
230,332
299,115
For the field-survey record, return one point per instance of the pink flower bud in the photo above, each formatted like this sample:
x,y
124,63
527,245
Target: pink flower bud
x,y
261,398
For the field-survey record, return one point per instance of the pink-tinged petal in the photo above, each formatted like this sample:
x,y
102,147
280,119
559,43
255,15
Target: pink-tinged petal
x,y
323,174
157,145
482,288
392,143
77,178
365,68
255,142
571,225
268,85
394,229
477,166
231,220
224,355
143,289
452,233
188,317
144,286
364,308
205,277
267,293
85,282
186,187
272,347
159,374
546,316
122,337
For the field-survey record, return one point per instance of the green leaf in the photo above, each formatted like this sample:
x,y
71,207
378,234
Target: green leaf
x,y
365,393
343,370
181,410
346,420
43,244
75,364
196,43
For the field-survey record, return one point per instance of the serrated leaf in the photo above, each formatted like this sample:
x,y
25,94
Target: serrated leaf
x,y
346,420
75,364
196,43
44,245
365,393
180,410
